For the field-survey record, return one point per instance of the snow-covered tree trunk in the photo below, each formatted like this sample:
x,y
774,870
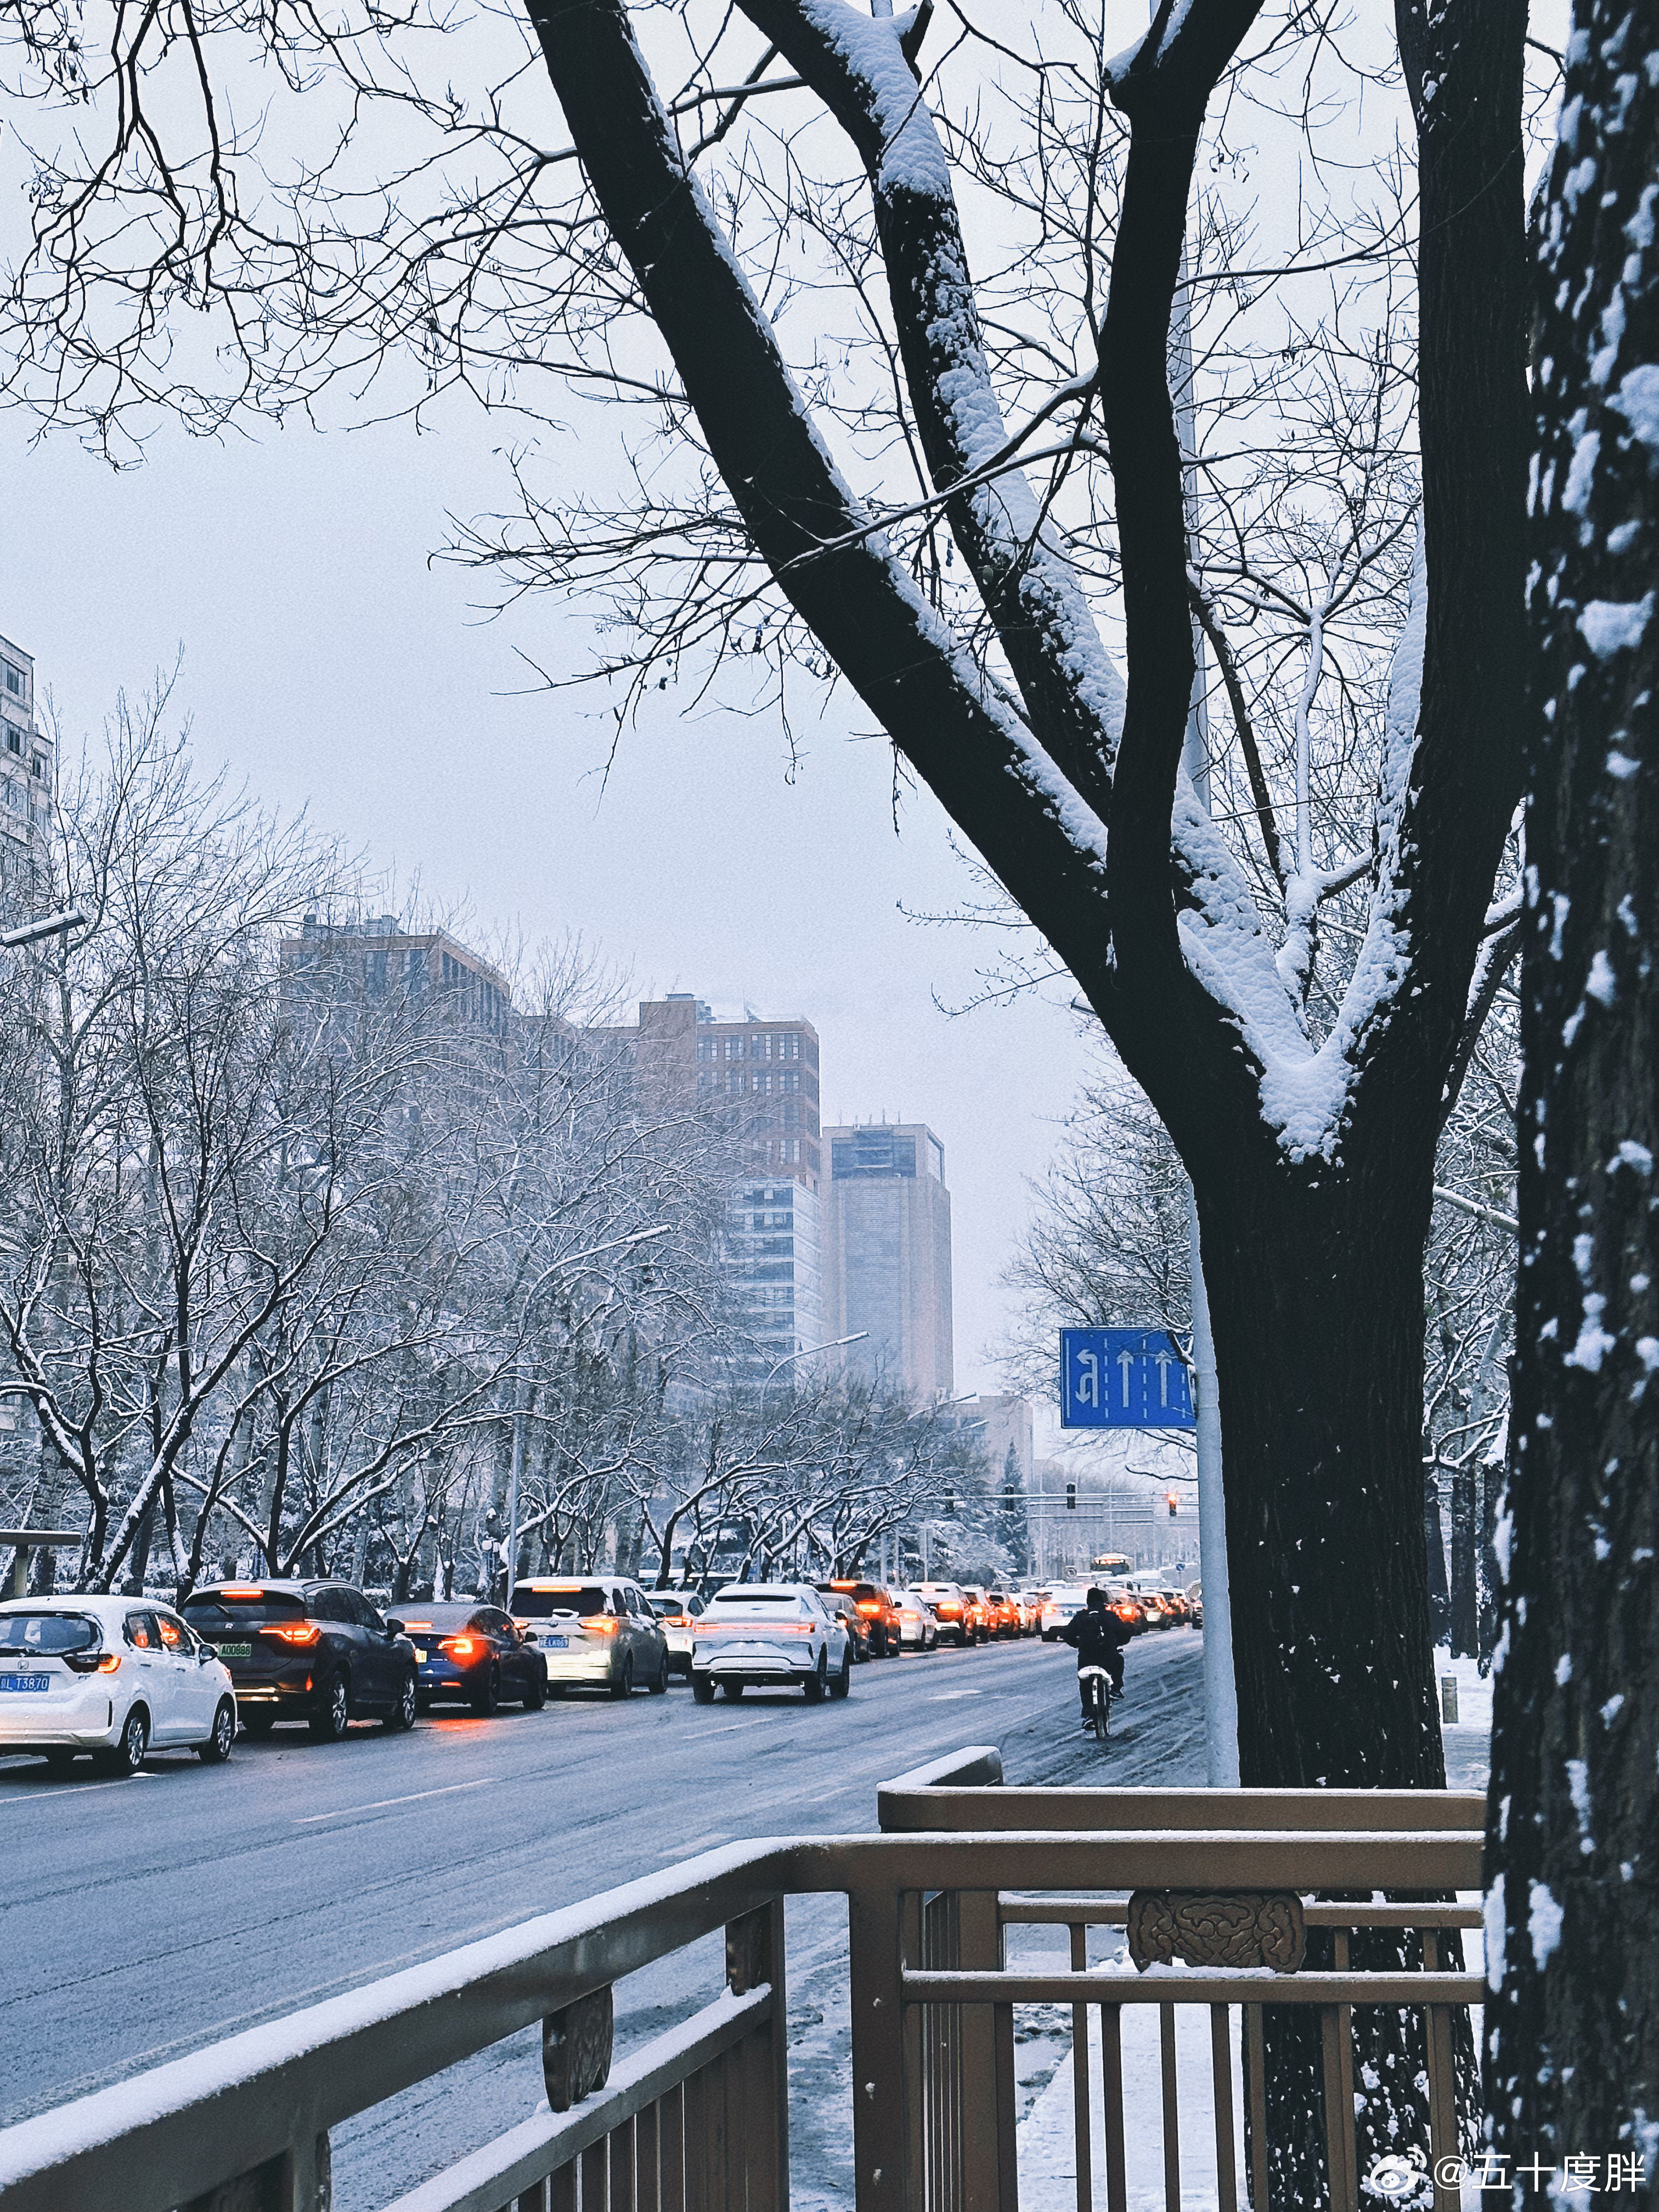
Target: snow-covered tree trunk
x,y
1573,1842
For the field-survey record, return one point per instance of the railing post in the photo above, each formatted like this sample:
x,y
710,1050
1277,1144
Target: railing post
x,y
754,1956
881,2183
986,2035
299,2180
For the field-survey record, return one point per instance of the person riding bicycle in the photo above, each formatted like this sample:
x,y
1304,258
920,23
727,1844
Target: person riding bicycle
x,y
1098,1637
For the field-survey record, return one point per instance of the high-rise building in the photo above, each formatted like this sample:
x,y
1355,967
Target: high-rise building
x,y
376,955
887,1247
765,1073
27,778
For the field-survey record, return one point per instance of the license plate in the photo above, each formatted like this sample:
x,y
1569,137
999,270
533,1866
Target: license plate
x,y
235,1650
558,1643
420,1655
25,1682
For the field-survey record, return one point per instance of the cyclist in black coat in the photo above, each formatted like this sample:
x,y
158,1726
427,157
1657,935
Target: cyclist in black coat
x,y
1098,1637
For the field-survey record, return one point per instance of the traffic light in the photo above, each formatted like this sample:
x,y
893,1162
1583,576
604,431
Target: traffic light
x,y
1071,1497
1172,1502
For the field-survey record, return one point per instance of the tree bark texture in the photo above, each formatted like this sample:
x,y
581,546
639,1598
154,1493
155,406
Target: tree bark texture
x,y
1573,1839
1069,789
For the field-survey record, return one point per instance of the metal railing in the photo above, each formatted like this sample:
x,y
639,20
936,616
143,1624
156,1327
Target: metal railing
x,y
697,2118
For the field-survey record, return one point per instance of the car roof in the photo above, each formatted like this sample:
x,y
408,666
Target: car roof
x,y
569,1582
288,1585
97,1606
767,1589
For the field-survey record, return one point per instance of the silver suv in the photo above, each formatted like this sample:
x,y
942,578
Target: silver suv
x,y
594,1633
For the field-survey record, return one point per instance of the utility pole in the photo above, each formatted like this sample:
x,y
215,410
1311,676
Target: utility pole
x,y
1220,1690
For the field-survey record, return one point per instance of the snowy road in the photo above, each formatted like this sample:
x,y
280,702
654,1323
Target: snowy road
x,y
142,1919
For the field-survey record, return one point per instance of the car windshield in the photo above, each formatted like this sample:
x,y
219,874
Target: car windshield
x,y
668,1602
540,1604
217,1612
43,1633
446,1617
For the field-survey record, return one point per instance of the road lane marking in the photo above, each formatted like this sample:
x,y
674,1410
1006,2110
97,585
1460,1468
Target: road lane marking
x,y
945,1696
81,1789
380,1804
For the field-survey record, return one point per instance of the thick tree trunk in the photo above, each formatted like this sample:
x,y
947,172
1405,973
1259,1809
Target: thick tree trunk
x,y
1319,1355
1319,1362
1572,1909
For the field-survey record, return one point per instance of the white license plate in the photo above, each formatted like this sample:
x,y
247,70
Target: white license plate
x,y
25,1682
235,1650
558,1643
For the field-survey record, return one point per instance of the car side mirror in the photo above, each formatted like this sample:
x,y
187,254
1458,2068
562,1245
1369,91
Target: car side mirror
x,y
392,1628
205,1653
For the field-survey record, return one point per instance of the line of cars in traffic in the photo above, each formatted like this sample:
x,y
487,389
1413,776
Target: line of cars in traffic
x,y
112,1678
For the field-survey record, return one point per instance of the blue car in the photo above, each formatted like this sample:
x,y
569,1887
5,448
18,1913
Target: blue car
x,y
473,1655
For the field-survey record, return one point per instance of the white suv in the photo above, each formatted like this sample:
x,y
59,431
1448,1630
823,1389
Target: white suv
x,y
770,1635
114,1676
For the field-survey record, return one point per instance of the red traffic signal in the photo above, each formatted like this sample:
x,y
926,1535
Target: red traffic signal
x,y
1172,1502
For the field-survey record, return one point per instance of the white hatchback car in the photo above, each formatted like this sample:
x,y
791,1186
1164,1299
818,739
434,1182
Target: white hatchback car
x,y
114,1676
770,1636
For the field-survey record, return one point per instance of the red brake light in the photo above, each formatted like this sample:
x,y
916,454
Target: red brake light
x,y
301,1633
605,1623
241,1589
417,1623
868,1605
459,1647
94,1662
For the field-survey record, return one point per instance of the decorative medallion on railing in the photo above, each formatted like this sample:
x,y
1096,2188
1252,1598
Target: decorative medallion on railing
x,y
1227,1928
576,2047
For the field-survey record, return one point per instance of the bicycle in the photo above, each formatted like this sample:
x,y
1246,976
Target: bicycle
x,y
1097,1687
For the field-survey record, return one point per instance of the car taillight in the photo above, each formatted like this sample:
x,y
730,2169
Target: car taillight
x,y
94,1662
301,1633
459,1647
866,1606
947,1607
607,1624
678,1620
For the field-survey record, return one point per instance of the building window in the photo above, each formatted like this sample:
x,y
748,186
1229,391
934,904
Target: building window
x,y
791,1150
14,679
705,1047
734,1080
790,1080
39,765
789,1046
13,738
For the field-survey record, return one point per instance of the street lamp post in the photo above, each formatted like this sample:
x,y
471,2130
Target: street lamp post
x,y
805,1352
50,925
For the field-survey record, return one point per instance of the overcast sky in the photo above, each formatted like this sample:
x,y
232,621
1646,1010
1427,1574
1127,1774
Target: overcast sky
x,y
332,665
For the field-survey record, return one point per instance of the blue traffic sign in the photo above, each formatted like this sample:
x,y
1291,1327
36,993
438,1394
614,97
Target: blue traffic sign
x,y
1123,1378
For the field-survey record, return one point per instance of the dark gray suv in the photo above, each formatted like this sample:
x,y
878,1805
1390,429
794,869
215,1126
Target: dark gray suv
x,y
311,1651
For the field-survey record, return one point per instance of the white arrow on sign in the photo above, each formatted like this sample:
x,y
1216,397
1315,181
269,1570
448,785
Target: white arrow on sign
x,y
1126,1360
1166,1362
